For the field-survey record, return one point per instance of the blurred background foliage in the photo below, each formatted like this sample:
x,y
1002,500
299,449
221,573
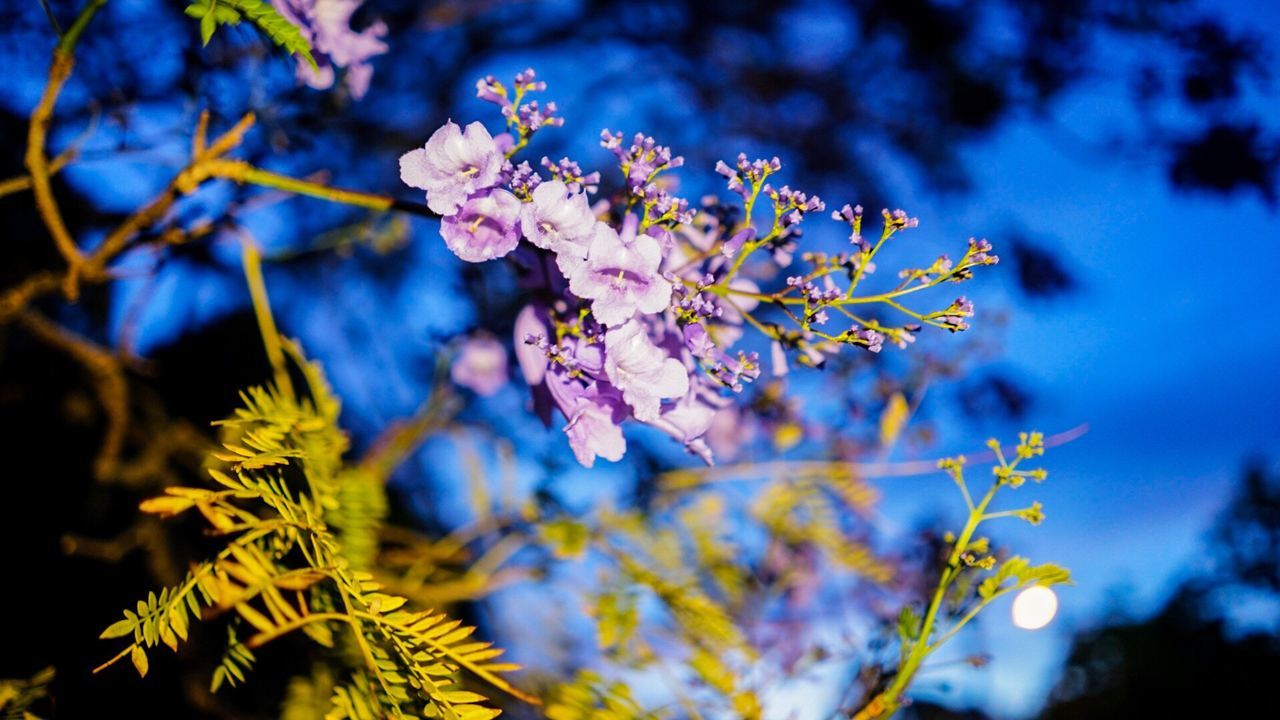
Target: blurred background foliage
x,y
876,101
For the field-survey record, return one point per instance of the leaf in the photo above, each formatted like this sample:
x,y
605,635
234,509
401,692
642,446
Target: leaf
x,y
226,15
893,419
295,544
168,638
616,619
166,506
208,24
119,629
463,697
139,658
712,671
215,13
908,624
1020,570
567,538
1048,574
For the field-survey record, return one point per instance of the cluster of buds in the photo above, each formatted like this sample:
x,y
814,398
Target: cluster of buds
x,y
641,161
570,173
790,206
734,372
693,304
524,119
953,317
661,207
747,175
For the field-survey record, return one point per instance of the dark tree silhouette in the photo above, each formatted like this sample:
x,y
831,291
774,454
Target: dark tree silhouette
x,y
1192,659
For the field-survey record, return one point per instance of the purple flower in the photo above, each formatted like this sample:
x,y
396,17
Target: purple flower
x,y
778,355
484,228
691,416
697,341
561,375
688,419
481,366
531,328
620,275
868,338
453,166
641,370
732,430
326,24
561,222
594,428
735,243
490,90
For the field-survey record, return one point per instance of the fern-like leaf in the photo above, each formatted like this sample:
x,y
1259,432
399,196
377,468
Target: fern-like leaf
x,y
215,13
299,530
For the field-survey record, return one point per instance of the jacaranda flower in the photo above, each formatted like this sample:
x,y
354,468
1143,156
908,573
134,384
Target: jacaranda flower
x,y
641,370
485,227
595,426
326,24
559,221
453,166
620,275
481,365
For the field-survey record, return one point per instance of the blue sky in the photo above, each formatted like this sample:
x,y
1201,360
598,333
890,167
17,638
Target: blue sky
x,y
1169,351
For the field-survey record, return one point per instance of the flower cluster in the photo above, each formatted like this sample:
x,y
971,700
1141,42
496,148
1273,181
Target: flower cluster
x,y
326,24
641,298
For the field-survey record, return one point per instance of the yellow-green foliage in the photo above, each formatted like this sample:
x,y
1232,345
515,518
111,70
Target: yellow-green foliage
x,y
589,697
970,581
806,511
215,13
18,696
300,534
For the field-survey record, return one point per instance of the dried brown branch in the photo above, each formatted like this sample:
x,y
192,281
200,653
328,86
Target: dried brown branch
x,y
23,182
39,167
94,267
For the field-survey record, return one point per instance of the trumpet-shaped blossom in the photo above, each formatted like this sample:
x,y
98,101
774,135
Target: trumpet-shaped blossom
x,y
326,25
559,221
453,166
563,376
481,365
691,416
620,275
485,226
641,370
595,426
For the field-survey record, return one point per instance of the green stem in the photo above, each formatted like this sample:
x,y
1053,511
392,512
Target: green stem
x,y
252,261
266,178
967,617
67,44
263,638
857,277
921,648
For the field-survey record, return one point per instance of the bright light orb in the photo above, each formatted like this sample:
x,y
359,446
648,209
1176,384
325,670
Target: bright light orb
x,y
1034,607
